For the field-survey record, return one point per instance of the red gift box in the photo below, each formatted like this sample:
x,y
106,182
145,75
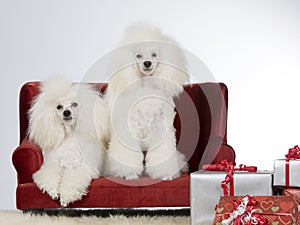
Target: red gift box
x,y
260,210
294,192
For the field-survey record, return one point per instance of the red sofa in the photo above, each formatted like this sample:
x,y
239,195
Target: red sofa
x,y
202,138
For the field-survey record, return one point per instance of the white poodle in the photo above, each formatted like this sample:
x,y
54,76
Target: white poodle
x,y
151,72
62,123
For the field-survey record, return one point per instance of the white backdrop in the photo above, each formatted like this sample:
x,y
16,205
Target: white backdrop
x,y
252,45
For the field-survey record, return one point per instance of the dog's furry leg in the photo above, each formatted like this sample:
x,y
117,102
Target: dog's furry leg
x,y
47,178
165,162
74,184
124,162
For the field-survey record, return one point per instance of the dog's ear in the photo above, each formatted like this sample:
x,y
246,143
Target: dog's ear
x,y
92,121
122,78
172,67
45,128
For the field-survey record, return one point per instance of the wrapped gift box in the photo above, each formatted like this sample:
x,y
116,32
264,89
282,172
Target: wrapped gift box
x,y
276,210
294,192
206,190
287,173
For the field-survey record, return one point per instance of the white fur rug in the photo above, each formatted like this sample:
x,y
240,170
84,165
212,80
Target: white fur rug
x,y
18,218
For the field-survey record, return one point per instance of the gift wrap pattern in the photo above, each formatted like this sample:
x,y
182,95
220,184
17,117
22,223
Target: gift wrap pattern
x,y
206,191
294,192
277,210
287,173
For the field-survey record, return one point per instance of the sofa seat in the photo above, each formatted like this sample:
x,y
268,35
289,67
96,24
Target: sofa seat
x,y
107,191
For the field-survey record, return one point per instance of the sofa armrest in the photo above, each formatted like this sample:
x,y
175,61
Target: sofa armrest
x,y
27,159
225,152
217,150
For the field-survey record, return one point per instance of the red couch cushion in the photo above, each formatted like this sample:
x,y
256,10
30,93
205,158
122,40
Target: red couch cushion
x,y
109,192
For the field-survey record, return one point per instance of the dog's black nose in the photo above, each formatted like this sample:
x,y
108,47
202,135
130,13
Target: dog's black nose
x,y
67,113
147,64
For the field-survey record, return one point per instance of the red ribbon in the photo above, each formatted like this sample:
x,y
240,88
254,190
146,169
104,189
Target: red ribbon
x,y
228,179
287,173
294,153
243,167
224,165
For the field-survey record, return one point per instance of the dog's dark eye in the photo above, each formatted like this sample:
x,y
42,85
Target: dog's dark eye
x,y
154,55
138,56
59,107
74,104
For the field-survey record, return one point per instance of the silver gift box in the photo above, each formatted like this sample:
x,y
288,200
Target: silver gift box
x,y
206,191
280,173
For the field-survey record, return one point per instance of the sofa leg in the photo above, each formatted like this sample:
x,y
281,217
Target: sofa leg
x,y
110,212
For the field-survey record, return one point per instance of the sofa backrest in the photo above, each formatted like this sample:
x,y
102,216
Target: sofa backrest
x,y
200,121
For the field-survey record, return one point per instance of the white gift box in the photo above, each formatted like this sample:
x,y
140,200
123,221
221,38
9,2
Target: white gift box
x,y
206,191
281,174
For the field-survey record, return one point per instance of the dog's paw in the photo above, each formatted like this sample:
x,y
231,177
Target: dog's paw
x,y
165,177
131,177
48,188
68,196
171,177
53,194
63,203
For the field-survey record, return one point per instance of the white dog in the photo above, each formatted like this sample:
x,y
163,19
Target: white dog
x,y
140,95
62,123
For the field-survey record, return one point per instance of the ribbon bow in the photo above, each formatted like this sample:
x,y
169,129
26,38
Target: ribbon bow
x,y
249,219
294,153
243,213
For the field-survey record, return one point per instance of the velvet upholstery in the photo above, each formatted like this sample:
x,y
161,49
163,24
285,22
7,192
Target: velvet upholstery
x,y
201,124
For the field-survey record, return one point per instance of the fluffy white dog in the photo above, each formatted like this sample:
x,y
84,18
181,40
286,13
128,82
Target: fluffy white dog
x,y
62,123
140,95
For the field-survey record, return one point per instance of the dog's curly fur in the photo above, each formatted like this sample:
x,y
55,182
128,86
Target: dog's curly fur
x,y
62,122
140,96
